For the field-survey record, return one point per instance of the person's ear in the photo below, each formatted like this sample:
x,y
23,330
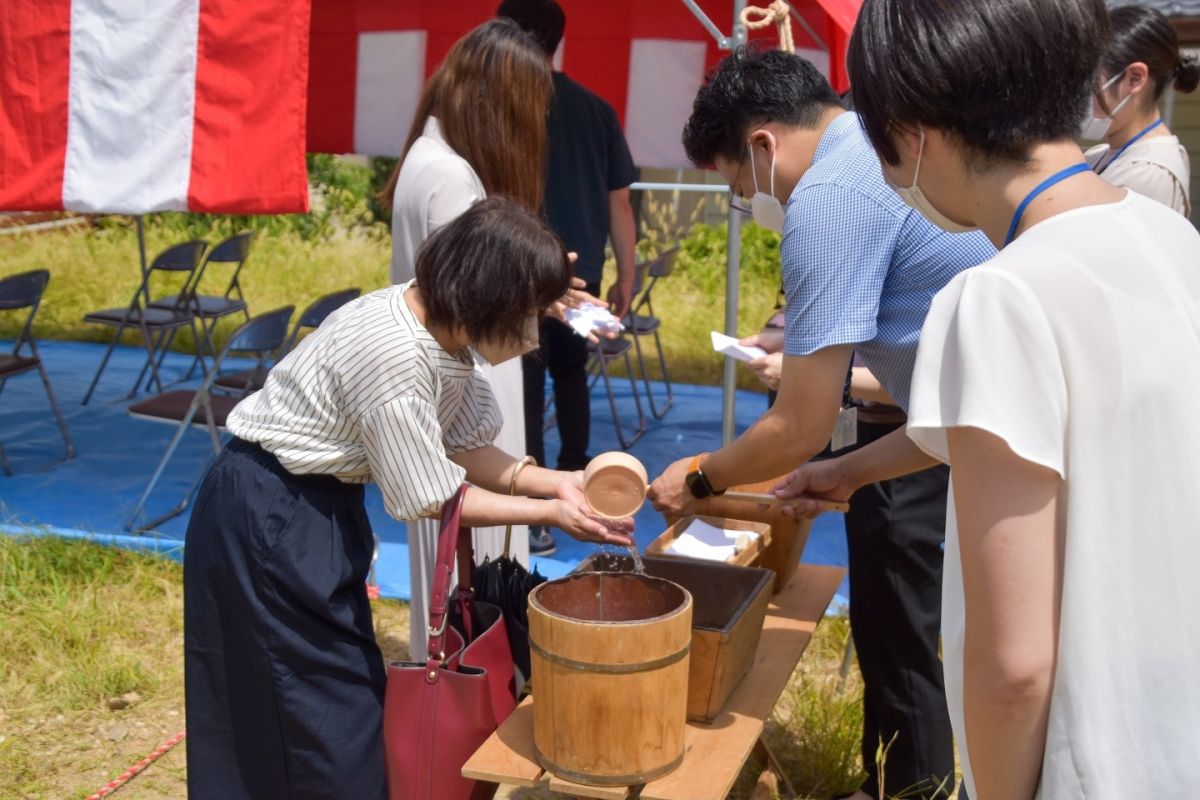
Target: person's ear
x,y
763,143
1137,77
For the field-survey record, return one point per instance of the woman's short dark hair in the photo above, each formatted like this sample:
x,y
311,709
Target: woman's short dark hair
x,y
748,88
489,269
1146,35
1000,76
543,19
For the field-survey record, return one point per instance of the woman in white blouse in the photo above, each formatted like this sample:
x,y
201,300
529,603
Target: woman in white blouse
x,y
1139,153
284,680
479,130
1048,378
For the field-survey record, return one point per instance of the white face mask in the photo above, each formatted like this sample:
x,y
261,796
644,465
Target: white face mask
x,y
766,208
497,352
1095,128
914,198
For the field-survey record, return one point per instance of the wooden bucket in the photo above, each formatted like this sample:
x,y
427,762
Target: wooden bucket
x,y
610,676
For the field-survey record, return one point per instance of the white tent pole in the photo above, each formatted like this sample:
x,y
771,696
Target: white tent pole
x,y
733,253
733,274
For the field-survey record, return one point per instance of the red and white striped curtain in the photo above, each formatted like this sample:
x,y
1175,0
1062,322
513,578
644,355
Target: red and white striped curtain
x,y
168,105
370,58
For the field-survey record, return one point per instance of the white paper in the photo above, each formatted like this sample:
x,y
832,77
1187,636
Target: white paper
x,y
702,540
728,346
590,317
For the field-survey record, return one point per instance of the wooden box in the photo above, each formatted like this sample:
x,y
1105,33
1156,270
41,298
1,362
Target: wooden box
x,y
747,557
788,535
729,605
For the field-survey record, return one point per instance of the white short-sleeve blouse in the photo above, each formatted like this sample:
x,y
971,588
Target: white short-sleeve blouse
x,y
1079,346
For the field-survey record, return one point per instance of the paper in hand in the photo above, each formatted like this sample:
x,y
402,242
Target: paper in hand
x,y
590,317
728,346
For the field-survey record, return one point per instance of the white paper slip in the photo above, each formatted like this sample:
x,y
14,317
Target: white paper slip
x,y
728,346
708,542
591,317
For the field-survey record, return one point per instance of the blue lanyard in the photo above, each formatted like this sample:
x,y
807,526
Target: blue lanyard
x,y
1125,146
1057,177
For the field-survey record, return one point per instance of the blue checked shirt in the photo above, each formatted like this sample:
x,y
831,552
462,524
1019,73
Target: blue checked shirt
x,y
859,266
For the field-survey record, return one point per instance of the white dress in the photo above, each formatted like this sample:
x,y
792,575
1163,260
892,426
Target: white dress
x,y
1079,346
435,185
1157,167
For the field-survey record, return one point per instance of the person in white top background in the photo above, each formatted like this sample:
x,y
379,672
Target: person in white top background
x,y
1139,152
479,130
1048,378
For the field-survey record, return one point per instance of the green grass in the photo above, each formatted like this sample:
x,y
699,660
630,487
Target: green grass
x,y
98,267
81,622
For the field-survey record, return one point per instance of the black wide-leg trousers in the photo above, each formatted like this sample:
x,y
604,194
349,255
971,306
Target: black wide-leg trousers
x,y
284,681
894,531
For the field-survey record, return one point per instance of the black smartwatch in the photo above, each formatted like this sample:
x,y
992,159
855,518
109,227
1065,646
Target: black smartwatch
x,y
697,482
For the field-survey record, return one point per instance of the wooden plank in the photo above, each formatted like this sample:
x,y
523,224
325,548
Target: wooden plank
x,y
580,790
716,752
714,756
508,756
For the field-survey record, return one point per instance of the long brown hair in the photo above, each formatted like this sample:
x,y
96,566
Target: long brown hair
x,y
490,96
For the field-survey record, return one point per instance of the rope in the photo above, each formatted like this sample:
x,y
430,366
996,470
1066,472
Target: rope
x,y
127,775
756,17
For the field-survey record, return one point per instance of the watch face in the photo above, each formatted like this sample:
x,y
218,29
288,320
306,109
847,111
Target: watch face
x,y
698,486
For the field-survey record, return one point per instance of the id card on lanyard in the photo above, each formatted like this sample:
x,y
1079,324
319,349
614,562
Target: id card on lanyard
x,y
845,430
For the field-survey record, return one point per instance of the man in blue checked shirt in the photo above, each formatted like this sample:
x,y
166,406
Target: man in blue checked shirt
x,y
860,268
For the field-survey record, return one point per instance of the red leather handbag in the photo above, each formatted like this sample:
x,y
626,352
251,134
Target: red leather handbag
x,y
438,712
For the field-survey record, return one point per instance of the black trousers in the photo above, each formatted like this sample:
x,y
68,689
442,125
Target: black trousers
x,y
284,681
565,354
894,532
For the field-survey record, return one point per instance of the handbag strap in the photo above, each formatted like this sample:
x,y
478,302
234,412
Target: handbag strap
x,y
453,539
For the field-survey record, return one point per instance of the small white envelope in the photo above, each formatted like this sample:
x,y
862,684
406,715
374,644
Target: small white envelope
x,y
591,317
728,346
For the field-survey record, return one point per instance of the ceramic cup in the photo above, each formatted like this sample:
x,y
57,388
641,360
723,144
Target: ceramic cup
x,y
615,485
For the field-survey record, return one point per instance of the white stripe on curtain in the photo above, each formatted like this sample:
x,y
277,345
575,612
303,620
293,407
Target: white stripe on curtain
x,y
131,100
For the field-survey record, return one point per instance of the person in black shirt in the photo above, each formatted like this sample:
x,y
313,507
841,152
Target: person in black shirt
x,y
586,202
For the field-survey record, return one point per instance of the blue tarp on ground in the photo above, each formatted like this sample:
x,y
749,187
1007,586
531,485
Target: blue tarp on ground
x,y
93,494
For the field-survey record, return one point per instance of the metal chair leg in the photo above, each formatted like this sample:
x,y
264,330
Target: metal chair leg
x,y
162,464
58,415
637,400
625,443
103,363
183,504
637,343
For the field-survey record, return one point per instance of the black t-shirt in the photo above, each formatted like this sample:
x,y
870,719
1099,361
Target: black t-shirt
x,y
588,159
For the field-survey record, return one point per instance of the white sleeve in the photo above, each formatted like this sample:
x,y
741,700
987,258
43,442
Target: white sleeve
x,y
457,188
403,441
988,359
477,420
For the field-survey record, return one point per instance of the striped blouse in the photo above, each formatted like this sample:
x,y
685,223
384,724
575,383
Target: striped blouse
x,y
372,396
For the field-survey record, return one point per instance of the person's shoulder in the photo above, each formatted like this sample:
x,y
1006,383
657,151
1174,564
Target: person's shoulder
x,y
575,92
848,168
429,157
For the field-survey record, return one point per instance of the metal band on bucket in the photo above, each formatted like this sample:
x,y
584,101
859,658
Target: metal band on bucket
x,y
611,669
606,780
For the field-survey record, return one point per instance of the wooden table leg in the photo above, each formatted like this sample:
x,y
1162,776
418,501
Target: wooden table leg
x,y
773,774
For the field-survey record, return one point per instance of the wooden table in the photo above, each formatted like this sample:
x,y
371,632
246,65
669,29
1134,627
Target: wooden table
x,y
715,752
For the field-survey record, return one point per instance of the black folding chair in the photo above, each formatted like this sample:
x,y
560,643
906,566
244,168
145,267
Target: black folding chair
x,y
18,292
251,379
601,355
259,337
646,324
210,309
154,323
